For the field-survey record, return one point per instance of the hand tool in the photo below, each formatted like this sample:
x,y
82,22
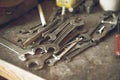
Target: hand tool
x,y
52,61
53,35
16,49
39,33
74,23
31,30
55,13
83,37
53,28
38,61
94,39
76,52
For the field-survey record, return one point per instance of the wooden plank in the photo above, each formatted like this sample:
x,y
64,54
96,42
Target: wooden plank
x,y
12,72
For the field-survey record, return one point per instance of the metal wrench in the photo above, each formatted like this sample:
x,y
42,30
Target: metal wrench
x,y
16,49
55,45
94,39
56,58
38,60
52,36
76,52
39,33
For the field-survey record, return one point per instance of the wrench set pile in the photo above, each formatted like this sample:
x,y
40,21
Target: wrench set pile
x,y
51,44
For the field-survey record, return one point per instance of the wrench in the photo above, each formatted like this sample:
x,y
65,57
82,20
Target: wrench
x,y
83,48
16,49
54,14
55,45
39,33
52,29
56,58
38,60
52,36
93,40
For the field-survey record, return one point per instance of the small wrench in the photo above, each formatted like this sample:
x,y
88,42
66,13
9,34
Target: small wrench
x,y
76,52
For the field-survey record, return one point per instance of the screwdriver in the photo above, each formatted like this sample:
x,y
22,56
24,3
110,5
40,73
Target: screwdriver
x,y
117,41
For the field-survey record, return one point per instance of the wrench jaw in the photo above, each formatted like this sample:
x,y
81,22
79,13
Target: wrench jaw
x,y
35,64
76,22
50,36
52,61
23,56
52,48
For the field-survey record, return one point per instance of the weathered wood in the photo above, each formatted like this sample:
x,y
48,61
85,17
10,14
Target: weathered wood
x,y
12,72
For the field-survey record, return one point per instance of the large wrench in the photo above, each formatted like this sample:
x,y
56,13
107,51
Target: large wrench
x,y
16,49
76,52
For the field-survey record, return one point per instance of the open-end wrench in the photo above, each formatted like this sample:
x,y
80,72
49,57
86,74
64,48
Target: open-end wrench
x,y
16,49
54,14
52,36
53,28
74,23
76,52
56,58
55,45
72,36
94,39
39,33
38,60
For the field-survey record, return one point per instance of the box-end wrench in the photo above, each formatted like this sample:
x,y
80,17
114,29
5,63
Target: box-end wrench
x,y
16,49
